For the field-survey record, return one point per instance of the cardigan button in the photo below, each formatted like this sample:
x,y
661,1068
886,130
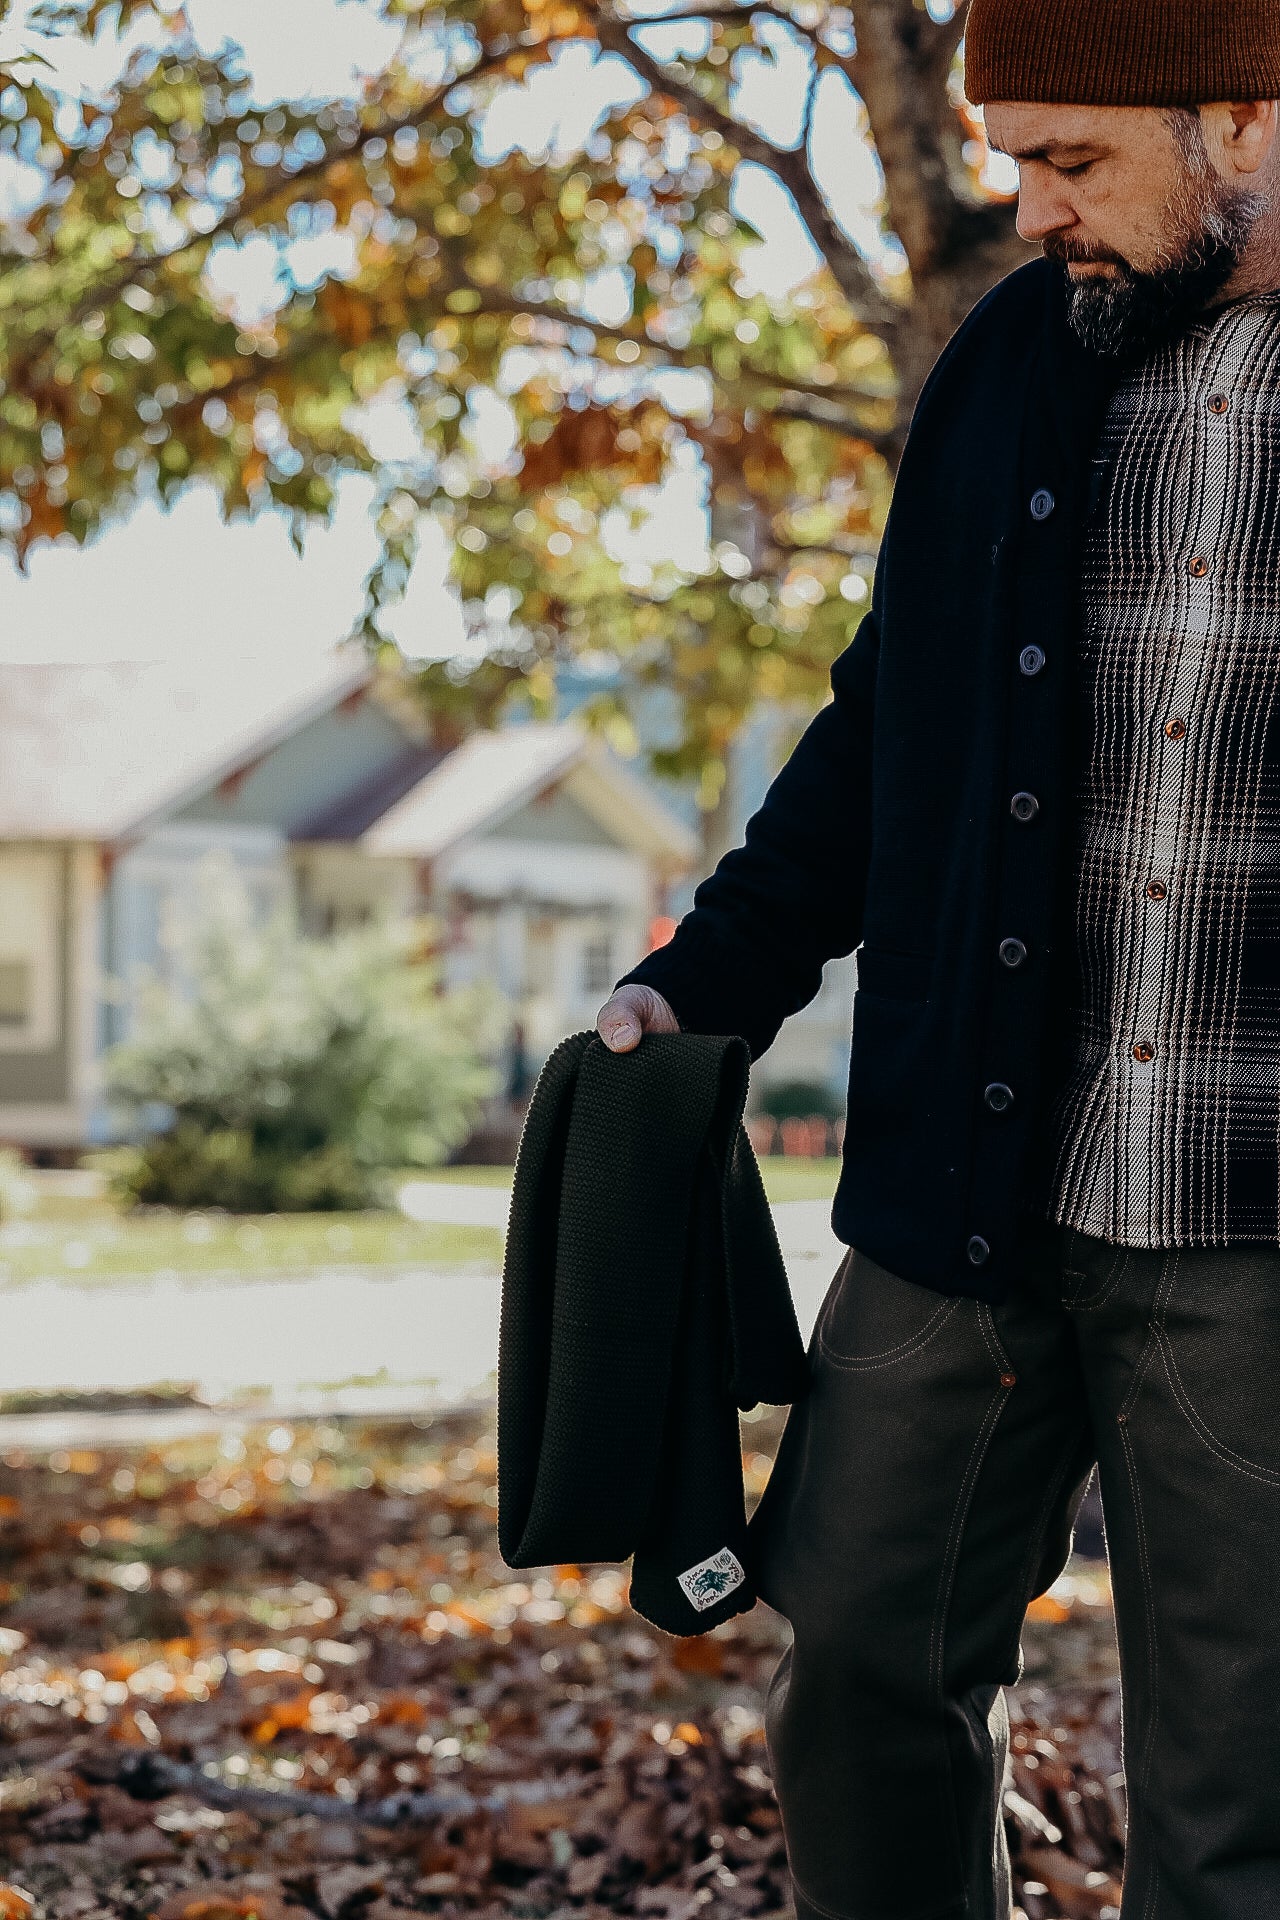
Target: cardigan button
x,y
978,1251
1012,952
998,1097
1024,807
1042,504
1031,660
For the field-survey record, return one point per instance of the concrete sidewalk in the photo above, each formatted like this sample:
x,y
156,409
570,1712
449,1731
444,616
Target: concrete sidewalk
x,y
432,1336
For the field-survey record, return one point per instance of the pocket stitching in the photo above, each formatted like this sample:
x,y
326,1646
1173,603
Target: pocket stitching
x,y
889,1356
1103,1291
1250,1469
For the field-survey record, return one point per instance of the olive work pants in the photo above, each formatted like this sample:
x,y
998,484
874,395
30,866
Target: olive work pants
x,y
925,1492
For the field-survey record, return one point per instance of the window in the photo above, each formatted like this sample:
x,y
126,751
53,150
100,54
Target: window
x,y
32,928
15,993
597,963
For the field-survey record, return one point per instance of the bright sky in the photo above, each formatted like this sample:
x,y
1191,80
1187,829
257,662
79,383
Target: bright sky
x,y
162,583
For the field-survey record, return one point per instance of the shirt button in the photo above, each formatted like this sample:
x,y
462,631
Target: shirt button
x,y
1219,403
1031,659
1143,1053
1042,504
998,1097
1156,890
1024,807
1199,567
1012,953
1176,729
978,1251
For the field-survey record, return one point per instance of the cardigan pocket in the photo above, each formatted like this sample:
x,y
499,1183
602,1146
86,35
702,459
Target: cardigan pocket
x,y
890,1081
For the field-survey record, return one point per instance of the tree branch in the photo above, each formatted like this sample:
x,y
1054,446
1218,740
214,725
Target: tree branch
x,y
141,265
840,550
498,300
148,1776
745,12
884,440
942,45
790,167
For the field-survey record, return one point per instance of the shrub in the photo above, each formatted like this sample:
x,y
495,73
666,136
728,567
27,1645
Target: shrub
x,y
800,1100
273,1073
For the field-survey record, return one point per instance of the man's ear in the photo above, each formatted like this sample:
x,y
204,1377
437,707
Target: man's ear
x,y
1240,134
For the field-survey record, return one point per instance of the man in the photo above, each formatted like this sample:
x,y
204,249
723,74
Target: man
x,y
1044,803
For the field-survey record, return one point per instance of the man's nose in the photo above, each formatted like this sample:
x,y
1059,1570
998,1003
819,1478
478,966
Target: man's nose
x,y
1042,211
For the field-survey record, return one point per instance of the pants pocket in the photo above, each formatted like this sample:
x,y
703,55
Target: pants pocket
x,y
871,1319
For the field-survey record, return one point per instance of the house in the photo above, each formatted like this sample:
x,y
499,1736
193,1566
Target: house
x,y
548,862
812,1050
542,855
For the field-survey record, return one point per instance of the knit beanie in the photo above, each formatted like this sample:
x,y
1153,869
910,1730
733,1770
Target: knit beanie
x,y
1122,53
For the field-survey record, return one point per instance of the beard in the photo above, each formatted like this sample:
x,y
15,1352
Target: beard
x,y
1125,312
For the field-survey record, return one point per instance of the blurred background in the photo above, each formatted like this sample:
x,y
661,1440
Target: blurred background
x,y
442,449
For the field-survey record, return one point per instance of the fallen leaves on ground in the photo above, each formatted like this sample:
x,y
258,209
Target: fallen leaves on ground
x,y
285,1675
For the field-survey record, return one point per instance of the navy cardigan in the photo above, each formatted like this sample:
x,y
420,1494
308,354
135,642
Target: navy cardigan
x,y
923,816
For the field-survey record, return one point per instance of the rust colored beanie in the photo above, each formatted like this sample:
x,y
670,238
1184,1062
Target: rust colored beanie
x,y
1122,53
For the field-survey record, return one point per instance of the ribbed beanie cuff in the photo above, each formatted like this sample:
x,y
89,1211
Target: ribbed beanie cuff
x,y
1122,53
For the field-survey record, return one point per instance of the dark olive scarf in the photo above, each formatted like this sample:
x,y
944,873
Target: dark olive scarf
x,y
644,1301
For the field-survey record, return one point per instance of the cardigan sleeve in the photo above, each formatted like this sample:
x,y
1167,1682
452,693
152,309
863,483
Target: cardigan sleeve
x,y
752,948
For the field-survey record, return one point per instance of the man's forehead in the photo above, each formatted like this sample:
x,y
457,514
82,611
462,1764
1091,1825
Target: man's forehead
x,y
1033,132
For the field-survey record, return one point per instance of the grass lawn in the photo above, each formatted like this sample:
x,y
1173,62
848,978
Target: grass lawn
x,y
85,1242
784,1178
99,1245
796,1179
464,1176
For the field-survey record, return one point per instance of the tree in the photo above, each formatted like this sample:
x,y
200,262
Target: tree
x,y
419,253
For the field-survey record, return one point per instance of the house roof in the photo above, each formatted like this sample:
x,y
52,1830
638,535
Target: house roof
x,y
493,775
102,753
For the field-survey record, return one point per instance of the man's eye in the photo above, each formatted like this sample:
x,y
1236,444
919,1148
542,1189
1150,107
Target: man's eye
x,y
1081,166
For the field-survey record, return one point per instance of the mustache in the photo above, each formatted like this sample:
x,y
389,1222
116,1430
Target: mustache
x,y
1081,253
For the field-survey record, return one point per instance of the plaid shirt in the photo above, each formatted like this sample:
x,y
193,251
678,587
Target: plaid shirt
x,y
1166,1132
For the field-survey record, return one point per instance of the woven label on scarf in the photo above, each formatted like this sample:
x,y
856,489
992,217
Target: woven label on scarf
x,y
711,1579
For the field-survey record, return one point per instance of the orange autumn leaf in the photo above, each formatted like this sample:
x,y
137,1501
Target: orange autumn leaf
x,y
296,1710
401,1710
293,1713
126,1733
228,1903
1046,1608
700,1655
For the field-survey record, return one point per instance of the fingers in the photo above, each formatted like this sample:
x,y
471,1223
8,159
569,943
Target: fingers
x,y
631,1013
620,1023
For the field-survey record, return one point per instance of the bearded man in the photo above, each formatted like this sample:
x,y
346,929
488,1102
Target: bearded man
x,y
1044,804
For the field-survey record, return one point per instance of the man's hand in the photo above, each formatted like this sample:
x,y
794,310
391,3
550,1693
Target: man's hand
x,y
632,1012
